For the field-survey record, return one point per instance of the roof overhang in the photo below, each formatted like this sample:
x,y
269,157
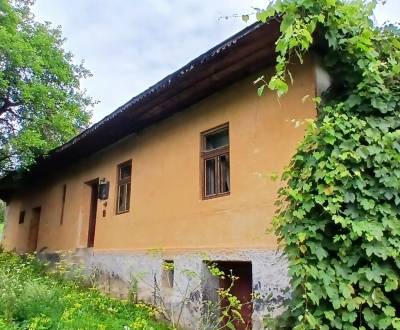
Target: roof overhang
x,y
243,54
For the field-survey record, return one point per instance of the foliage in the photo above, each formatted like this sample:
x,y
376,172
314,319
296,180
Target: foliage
x,y
33,299
338,217
220,312
225,311
41,104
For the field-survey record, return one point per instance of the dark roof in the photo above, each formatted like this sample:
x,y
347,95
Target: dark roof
x,y
239,56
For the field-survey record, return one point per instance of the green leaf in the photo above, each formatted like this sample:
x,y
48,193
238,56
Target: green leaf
x,y
367,204
389,311
264,15
303,248
260,90
279,85
391,284
354,100
347,290
230,325
349,197
245,18
330,315
311,320
301,236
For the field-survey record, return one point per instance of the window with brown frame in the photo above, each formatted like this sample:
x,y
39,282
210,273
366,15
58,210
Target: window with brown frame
x,y
124,172
215,162
21,217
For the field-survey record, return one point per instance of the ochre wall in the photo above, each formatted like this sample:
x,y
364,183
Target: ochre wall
x,y
167,211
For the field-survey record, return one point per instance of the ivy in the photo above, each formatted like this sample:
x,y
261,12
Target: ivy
x,y
338,217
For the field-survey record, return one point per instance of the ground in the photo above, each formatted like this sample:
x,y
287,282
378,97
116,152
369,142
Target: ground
x,y
33,298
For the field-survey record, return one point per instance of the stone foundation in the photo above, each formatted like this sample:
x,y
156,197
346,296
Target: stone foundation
x,y
142,276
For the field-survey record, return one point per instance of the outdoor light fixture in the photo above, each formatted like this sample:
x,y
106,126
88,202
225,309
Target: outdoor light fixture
x,y
104,187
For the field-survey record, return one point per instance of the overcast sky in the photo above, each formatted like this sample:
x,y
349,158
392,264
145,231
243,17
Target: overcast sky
x,y
130,45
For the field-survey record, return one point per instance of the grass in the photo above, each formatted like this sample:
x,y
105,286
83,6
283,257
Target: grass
x,y
1,229
31,298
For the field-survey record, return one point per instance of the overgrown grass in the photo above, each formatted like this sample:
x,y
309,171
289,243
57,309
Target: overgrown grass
x,y
33,299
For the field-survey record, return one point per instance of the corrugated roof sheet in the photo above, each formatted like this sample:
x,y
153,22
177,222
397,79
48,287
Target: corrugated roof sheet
x,y
238,56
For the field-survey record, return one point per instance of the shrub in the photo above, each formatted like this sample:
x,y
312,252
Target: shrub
x,y
33,299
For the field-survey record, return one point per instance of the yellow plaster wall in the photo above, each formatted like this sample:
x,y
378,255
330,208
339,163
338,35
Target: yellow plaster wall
x,y
167,210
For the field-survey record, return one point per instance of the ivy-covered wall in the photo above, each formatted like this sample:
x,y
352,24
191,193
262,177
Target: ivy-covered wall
x,y
339,213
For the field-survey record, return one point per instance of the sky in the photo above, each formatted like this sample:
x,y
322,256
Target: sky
x,y
129,45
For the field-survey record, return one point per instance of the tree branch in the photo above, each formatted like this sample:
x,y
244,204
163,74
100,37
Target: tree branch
x,y
8,124
7,105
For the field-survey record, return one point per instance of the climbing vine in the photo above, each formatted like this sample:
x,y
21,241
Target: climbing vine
x,y
338,216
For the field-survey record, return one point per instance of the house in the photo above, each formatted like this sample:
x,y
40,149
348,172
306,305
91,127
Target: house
x,y
178,174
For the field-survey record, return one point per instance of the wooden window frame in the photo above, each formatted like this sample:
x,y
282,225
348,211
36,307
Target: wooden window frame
x,y
213,154
121,182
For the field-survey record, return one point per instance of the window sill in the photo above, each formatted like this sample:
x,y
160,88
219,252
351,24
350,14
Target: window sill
x,y
119,213
216,196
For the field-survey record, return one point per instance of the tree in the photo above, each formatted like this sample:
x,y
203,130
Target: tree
x,y
41,103
338,217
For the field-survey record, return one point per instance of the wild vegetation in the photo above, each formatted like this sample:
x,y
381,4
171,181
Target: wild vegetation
x,y
38,296
32,298
338,217
41,102
223,311
338,214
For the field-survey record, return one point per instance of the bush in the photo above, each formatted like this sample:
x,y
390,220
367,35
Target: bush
x,y
33,299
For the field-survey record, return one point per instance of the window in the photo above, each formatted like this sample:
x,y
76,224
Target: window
x,y
124,187
215,162
64,194
21,217
167,276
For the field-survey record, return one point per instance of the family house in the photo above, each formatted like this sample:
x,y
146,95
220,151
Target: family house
x,y
180,173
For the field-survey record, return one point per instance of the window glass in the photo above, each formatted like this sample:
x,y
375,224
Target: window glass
x,y
215,160
217,140
125,171
122,198
210,176
224,173
124,187
128,196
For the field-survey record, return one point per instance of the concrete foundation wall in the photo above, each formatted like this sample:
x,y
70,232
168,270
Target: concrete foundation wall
x,y
141,273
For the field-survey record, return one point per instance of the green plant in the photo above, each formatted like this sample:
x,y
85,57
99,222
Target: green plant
x,y
33,298
338,214
41,102
223,312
